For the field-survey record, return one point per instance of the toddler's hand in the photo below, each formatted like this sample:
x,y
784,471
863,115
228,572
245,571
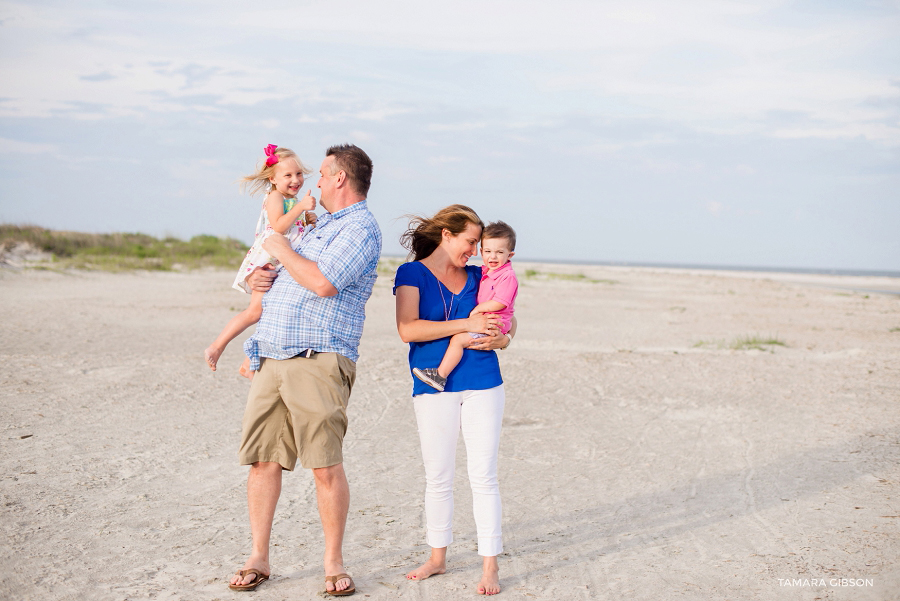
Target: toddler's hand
x,y
311,218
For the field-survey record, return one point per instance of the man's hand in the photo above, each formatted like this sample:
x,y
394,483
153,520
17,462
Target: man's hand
x,y
261,278
277,245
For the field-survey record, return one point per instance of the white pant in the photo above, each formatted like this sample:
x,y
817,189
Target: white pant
x,y
479,413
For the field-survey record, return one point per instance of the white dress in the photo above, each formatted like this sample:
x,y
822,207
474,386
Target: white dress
x,y
257,256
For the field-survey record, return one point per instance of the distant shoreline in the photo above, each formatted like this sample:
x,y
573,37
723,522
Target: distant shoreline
x,y
803,270
135,250
860,287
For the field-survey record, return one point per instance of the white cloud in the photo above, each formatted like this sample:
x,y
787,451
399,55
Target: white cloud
x,y
361,137
443,160
713,66
8,146
741,170
379,113
635,109
105,70
461,126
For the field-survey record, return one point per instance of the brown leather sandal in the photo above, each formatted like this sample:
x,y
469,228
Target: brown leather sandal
x,y
260,578
333,580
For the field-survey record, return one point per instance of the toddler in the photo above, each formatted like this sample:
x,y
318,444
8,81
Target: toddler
x,y
496,294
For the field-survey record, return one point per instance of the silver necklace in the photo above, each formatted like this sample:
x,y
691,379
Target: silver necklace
x,y
444,302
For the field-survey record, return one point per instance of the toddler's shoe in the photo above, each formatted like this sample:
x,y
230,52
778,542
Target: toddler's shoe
x,y
430,376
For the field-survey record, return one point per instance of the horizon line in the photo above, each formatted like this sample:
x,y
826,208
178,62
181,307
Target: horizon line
x,y
709,267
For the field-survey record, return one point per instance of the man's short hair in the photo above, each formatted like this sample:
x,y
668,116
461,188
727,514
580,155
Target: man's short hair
x,y
500,229
355,163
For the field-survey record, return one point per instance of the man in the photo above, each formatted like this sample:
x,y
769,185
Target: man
x,y
305,349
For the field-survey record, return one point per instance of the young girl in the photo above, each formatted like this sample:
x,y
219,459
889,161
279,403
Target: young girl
x,y
281,176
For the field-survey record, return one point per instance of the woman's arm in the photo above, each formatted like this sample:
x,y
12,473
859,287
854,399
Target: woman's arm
x,y
278,219
413,329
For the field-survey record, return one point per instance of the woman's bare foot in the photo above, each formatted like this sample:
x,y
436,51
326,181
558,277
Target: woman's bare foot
x,y
425,570
436,564
212,356
490,577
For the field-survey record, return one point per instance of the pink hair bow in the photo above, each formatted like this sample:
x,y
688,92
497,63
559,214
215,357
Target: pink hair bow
x,y
271,157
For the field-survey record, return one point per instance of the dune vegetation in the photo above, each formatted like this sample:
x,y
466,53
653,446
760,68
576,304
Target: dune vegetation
x,y
37,247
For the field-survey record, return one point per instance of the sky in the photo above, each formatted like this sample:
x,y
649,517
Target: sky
x,y
734,133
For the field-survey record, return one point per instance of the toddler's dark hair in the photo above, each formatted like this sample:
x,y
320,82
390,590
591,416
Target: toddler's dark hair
x,y
500,229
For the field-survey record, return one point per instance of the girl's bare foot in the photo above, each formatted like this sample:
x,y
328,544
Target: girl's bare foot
x,y
212,356
244,369
490,577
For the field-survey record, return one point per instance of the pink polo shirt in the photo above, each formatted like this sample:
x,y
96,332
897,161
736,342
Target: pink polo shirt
x,y
499,285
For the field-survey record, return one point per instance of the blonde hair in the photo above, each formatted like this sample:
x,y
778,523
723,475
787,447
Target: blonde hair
x,y
423,235
259,183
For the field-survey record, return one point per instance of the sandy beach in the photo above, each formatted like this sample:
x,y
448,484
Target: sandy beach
x,y
657,443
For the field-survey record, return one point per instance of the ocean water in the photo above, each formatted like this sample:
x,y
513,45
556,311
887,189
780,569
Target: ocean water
x,y
805,270
785,270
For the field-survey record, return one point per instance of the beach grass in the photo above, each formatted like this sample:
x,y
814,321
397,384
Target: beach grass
x,y
388,265
42,248
743,343
755,341
572,277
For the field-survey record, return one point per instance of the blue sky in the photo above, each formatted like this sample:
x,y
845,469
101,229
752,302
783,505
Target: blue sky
x,y
723,133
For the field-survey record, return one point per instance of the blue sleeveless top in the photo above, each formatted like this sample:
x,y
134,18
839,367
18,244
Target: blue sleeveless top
x,y
478,370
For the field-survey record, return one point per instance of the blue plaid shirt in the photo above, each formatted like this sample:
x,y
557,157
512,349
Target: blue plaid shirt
x,y
346,246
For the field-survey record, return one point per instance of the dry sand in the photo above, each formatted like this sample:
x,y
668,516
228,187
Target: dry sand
x,y
641,458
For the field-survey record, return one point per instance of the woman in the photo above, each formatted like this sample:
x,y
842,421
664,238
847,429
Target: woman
x,y
435,293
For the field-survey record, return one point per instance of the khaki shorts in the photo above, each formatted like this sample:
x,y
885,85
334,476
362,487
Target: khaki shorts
x,y
298,408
